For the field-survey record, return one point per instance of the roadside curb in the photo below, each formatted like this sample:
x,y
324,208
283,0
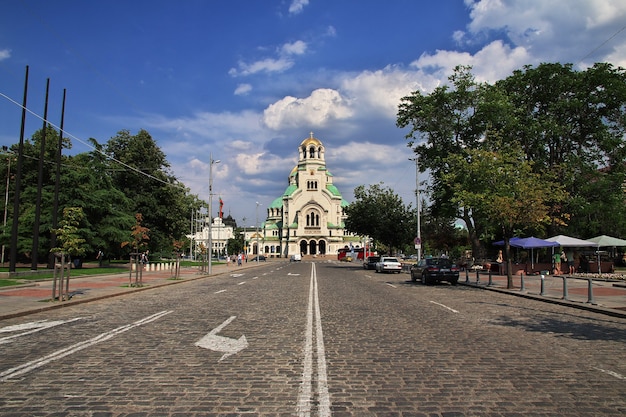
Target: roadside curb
x,y
578,305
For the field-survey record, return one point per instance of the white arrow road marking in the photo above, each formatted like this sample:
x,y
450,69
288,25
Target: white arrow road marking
x,y
444,306
32,327
223,344
29,366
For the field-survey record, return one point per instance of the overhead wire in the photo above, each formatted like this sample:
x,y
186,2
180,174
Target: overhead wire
x,y
137,170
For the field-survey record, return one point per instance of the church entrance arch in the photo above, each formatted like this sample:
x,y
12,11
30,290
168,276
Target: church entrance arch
x,y
322,247
313,247
303,247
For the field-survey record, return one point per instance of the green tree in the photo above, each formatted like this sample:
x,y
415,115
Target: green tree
x,y
444,123
501,187
572,124
144,176
380,213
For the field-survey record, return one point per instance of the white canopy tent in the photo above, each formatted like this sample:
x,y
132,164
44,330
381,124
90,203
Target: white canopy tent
x,y
571,242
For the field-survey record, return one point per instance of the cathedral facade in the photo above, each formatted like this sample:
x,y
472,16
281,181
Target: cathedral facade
x,y
308,218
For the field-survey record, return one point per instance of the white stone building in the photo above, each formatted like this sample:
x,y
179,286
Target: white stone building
x,y
308,217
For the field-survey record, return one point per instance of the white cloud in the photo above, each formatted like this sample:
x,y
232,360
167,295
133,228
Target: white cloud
x,y
550,31
297,6
270,65
5,54
295,48
321,107
243,89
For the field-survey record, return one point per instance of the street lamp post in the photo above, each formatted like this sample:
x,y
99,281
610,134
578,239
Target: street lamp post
x,y
418,239
258,250
210,209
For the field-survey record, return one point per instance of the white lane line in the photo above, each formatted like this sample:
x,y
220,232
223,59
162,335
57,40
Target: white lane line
x,y
305,398
29,366
445,306
241,283
390,284
217,292
615,374
31,327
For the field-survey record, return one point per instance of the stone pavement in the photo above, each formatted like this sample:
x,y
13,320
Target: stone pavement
x,y
607,297
21,300
603,296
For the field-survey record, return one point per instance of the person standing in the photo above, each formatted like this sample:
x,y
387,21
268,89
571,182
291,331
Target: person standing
x,y
556,263
570,261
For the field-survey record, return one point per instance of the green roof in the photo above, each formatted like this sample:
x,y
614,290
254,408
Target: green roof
x,y
334,191
278,203
289,191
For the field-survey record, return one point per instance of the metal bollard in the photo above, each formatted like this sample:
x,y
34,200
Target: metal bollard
x,y
477,276
466,276
565,294
521,278
543,285
590,291
490,279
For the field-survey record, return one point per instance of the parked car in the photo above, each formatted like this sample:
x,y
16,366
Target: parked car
x,y
431,270
388,264
370,262
346,258
260,258
296,257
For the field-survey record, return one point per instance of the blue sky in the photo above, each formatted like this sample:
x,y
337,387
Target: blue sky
x,y
248,80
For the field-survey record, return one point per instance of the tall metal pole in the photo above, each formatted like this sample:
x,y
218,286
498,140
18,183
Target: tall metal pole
x,y
57,182
6,203
418,203
42,150
258,250
211,210
18,180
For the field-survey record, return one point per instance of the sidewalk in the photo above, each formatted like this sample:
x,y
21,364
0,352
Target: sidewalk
x,y
21,300
606,296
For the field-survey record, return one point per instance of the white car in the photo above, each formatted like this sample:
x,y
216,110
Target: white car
x,y
388,264
295,258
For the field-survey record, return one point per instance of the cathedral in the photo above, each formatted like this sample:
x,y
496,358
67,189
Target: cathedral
x,y
308,217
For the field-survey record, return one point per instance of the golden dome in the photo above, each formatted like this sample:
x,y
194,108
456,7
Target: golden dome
x,y
311,141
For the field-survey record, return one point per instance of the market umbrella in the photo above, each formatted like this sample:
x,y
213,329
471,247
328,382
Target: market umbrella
x,y
528,243
604,241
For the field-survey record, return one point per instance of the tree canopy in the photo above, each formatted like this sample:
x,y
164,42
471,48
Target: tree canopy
x,y
380,213
110,184
568,125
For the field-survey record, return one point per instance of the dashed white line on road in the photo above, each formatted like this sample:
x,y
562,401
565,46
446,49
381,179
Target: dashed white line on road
x,y
445,306
241,283
217,292
390,284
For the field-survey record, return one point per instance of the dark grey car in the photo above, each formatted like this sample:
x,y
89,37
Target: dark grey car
x,y
370,262
431,270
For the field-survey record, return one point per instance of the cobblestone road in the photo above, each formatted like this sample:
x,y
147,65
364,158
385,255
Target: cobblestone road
x,y
320,340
